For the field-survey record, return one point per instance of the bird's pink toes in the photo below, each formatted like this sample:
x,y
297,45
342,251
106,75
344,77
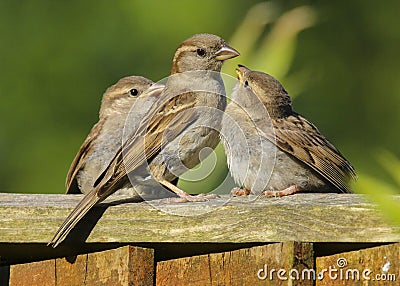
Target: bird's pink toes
x,y
286,192
237,192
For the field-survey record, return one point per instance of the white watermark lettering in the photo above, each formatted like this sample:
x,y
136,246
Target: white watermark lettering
x,y
340,271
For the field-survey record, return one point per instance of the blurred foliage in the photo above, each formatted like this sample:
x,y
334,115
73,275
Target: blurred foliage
x,y
381,191
337,59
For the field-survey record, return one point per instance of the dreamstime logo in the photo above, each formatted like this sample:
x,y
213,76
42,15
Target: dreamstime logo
x,y
341,262
331,273
172,133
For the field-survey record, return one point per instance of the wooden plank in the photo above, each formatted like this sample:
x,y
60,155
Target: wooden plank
x,y
73,271
301,217
122,266
132,266
372,266
32,274
251,266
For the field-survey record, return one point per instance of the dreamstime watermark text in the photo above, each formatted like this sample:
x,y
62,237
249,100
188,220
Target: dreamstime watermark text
x,y
337,272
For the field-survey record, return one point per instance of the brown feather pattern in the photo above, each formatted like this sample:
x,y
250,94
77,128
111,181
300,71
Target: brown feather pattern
x,y
78,161
312,148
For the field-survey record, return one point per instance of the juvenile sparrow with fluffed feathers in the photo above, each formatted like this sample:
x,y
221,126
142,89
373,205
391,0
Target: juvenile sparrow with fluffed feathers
x,y
279,151
185,120
105,138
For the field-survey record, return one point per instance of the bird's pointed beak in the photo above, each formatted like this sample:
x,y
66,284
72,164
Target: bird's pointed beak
x,y
154,90
240,71
225,53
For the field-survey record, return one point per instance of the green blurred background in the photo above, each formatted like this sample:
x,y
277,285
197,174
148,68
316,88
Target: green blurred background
x,y
338,59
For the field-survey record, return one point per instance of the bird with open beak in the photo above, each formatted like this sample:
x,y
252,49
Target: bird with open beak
x,y
273,150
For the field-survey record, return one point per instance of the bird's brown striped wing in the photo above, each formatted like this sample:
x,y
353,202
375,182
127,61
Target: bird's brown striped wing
x,y
156,130
79,160
297,136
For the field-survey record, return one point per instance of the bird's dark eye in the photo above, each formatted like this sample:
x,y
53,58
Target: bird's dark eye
x,y
201,52
133,92
246,83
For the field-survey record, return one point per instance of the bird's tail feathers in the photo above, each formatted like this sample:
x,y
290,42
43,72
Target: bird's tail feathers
x,y
76,215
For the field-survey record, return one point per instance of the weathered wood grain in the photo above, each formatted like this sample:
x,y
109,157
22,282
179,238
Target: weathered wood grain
x,y
122,266
372,266
251,266
301,217
32,274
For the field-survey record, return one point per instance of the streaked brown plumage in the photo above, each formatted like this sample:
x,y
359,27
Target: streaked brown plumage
x,y
305,159
194,82
105,138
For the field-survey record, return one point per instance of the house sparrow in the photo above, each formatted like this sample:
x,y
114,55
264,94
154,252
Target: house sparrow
x,y
169,139
105,138
271,149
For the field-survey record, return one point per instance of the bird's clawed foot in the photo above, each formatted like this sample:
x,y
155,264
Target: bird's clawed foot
x,y
238,192
286,192
183,196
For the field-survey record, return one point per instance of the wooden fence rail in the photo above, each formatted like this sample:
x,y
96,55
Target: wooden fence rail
x,y
226,241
